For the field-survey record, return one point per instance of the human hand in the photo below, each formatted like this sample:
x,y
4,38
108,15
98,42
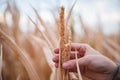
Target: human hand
x,y
91,62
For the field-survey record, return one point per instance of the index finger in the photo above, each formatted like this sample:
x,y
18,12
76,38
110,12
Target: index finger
x,y
80,47
56,50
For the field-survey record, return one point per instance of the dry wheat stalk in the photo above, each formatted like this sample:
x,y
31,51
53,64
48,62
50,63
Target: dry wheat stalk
x,y
47,33
22,57
73,76
78,68
38,27
65,38
111,51
61,43
113,44
48,54
50,46
1,52
69,13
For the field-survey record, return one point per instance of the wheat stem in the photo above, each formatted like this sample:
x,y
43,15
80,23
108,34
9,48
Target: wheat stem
x,y
61,42
22,57
78,68
1,53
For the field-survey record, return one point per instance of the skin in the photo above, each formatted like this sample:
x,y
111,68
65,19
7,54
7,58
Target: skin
x,y
92,63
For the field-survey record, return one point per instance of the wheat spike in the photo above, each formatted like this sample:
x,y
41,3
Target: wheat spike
x,y
65,38
61,42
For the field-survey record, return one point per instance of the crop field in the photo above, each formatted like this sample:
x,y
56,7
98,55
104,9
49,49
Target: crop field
x,y
27,55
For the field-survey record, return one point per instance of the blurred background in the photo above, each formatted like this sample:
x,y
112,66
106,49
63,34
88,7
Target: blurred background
x,y
93,12
29,32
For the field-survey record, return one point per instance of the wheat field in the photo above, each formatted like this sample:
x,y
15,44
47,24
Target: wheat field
x,y
28,55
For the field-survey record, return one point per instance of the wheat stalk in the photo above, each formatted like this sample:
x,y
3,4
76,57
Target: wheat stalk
x,y
22,57
112,52
69,13
78,68
48,55
41,32
113,44
1,53
50,46
61,43
64,38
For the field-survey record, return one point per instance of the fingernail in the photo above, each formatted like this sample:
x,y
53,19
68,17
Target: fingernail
x,y
65,65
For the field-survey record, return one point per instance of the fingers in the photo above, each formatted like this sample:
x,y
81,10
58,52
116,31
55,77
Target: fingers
x,y
72,56
71,64
81,48
55,58
66,67
56,50
56,65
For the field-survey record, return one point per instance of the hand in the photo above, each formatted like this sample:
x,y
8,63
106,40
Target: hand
x,y
92,63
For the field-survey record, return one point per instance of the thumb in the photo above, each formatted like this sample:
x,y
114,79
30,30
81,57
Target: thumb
x,y
72,63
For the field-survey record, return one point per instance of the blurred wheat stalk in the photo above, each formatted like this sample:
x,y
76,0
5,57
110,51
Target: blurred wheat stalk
x,y
1,52
28,56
